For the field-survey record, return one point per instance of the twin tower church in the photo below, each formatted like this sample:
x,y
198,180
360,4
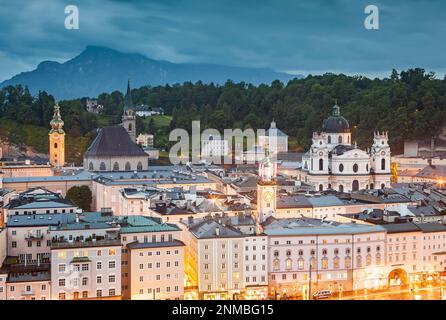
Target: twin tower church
x,y
333,161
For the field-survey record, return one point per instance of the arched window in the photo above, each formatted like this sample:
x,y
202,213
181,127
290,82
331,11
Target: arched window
x,y
288,264
321,187
341,188
276,264
383,186
130,126
115,166
276,253
367,167
329,139
378,258
355,167
127,166
336,263
372,186
55,145
288,253
340,139
139,166
102,166
355,185
321,164
348,262
324,263
341,167
300,253
358,261
313,263
368,260
90,166
300,263
383,164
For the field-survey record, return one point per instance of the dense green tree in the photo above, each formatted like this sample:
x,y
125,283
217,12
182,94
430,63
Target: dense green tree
x,y
81,197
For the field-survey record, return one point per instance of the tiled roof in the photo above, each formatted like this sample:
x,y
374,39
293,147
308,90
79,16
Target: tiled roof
x,y
138,224
29,277
309,226
114,141
40,219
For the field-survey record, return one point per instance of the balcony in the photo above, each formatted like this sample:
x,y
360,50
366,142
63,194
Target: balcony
x,y
33,236
28,293
64,244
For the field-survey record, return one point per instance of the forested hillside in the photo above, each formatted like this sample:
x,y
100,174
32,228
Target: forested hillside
x,y
409,104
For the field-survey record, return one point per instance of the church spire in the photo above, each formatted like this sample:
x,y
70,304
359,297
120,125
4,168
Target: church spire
x,y
129,117
128,103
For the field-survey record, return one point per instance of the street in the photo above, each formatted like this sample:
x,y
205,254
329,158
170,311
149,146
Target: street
x,y
432,293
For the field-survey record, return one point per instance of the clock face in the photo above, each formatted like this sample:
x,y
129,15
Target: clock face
x,y
383,153
268,196
321,153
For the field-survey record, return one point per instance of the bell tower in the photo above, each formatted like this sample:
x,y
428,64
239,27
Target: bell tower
x,y
129,117
381,153
57,139
266,189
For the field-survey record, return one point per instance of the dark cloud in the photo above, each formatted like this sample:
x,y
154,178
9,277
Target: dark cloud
x,y
306,36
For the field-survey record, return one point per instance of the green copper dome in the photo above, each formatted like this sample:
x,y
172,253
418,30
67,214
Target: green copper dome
x,y
57,122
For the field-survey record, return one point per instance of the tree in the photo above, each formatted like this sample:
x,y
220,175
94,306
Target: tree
x,y
151,128
81,197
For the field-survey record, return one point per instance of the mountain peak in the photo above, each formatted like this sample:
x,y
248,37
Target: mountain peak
x,y
99,69
97,49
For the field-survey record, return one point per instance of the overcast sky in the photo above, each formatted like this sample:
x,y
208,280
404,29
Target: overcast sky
x,y
296,36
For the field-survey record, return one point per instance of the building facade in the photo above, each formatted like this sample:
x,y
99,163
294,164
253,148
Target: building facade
x,y
274,139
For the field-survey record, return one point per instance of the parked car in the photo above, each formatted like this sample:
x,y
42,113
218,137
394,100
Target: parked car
x,y
322,294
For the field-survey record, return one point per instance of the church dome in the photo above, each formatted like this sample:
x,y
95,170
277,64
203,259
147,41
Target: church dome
x,y
336,123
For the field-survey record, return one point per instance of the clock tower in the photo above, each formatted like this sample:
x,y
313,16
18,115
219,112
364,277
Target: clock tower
x,y
266,189
57,139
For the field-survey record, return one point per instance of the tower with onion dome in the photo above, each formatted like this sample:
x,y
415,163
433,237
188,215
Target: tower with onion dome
x,y
57,139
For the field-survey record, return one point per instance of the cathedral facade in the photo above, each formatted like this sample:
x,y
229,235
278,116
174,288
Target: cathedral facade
x,y
333,162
